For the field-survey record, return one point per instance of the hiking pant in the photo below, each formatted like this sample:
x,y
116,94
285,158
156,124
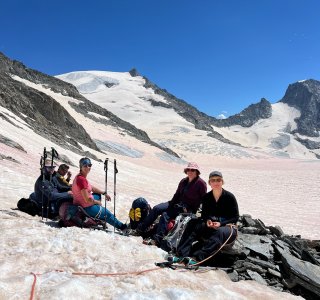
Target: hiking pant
x,y
192,233
154,213
99,212
210,240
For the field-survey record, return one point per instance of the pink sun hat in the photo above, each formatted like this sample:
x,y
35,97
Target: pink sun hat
x,y
193,166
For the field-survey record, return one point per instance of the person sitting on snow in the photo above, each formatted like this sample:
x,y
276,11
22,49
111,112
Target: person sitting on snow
x,y
219,208
62,183
82,196
187,198
46,193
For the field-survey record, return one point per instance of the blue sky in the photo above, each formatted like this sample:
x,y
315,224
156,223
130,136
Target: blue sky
x,y
219,56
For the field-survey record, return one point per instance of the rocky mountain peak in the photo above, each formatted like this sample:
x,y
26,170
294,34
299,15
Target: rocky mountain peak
x,y
134,72
305,96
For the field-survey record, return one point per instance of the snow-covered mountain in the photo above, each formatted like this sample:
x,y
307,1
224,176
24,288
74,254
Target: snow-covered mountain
x,y
271,128
152,136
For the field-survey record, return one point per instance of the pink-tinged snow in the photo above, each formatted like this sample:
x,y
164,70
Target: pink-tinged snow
x,y
278,191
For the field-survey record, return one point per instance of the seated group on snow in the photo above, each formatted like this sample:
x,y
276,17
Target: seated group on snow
x,y
196,236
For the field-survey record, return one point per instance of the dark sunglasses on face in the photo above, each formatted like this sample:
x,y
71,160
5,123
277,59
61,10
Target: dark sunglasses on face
x,y
50,168
190,170
87,165
215,180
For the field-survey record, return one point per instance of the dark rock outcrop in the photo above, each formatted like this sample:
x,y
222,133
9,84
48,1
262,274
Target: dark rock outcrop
x,y
11,143
40,111
267,255
312,145
305,96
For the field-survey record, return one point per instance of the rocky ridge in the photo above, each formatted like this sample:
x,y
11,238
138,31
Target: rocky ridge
x,y
249,116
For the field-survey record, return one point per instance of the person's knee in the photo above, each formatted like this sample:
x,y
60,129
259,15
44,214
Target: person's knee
x,y
159,208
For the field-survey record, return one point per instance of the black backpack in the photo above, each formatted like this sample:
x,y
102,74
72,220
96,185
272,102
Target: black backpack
x,y
139,210
28,206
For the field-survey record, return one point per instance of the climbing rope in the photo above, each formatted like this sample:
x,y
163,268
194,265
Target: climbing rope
x,y
33,285
91,274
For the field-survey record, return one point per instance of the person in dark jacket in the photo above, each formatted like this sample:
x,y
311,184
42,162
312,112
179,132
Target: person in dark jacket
x,y
219,208
187,198
46,193
59,179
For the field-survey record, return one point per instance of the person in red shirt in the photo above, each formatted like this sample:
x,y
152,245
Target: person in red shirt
x,y
82,195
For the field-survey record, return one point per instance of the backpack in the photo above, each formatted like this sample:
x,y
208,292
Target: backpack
x,y
28,206
139,210
171,241
73,215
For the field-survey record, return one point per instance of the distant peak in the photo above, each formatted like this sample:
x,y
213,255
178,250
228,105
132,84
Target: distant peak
x,y
134,72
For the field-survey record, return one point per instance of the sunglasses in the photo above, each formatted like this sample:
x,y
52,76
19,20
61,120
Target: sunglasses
x,y
50,167
215,180
191,170
87,165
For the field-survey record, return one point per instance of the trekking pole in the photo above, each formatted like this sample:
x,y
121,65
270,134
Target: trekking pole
x,y
42,165
105,190
54,154
114,190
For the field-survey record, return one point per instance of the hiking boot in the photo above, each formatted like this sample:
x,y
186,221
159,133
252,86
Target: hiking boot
x,y
135,232
129,231
189,261
124,230
174,259
149,242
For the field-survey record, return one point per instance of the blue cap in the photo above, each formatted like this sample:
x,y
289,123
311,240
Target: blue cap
x,y
84,161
